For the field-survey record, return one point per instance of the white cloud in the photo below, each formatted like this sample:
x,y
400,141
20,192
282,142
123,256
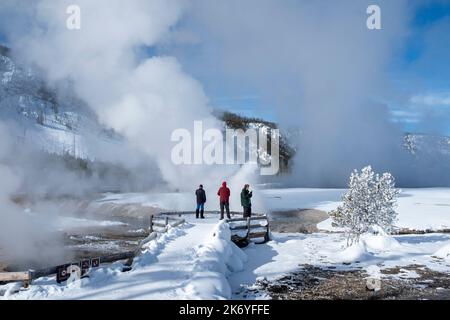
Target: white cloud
x,y
405,116
437,99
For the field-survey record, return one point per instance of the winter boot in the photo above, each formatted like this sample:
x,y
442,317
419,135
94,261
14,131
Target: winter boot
x,y
196,213
201,214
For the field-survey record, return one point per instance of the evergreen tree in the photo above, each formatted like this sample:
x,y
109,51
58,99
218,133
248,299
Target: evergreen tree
x,y
368,204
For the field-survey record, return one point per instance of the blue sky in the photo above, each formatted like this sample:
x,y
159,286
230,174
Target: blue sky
x,y
422,70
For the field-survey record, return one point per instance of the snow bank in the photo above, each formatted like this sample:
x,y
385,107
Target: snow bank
x,y
380,242
368,246
443,252
355,252
152,249
216,259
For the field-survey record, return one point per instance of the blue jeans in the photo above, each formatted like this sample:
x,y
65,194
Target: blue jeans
x,y
200,206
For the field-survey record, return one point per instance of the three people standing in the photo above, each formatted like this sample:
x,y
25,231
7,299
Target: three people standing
x,y
224,200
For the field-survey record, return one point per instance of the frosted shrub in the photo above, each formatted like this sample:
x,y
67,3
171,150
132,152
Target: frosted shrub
x,y
368,204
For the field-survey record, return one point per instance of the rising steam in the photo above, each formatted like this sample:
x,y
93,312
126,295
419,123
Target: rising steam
x,y
323,71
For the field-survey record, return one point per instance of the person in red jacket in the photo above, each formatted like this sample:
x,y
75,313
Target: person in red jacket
x,y
224,194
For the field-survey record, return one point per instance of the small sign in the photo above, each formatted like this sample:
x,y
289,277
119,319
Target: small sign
x,y
61,273
85,266
95,262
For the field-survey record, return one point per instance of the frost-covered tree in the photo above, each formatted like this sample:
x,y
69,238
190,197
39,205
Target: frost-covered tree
x,y
368,204
410,143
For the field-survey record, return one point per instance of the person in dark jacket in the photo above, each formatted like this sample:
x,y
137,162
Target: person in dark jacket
x,y
246,202
201,199
224,197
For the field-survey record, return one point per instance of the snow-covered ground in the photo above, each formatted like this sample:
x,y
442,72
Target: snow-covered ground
x,y
302,198
199,261
286,252
418,209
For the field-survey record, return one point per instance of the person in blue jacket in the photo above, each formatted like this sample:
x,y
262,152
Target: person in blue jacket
x,y
201,199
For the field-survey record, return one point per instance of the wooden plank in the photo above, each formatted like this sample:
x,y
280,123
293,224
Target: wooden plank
x,y
35,274
180,213
14,276
174,219
164,218
159,225
257,235
245,219
259,218
244,227
117,257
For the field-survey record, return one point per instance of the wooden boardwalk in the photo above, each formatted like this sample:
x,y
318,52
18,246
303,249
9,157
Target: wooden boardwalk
x,y
256,227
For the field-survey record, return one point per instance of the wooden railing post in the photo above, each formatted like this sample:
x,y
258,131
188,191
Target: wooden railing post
x,y
150,227
167,221
267,237
248,228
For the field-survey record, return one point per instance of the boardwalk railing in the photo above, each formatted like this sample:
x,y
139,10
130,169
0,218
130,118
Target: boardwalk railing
x,y
158,225
250,225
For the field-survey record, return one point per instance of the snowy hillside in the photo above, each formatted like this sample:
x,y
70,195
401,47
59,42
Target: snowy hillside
x,y
55,120
286,152
52,118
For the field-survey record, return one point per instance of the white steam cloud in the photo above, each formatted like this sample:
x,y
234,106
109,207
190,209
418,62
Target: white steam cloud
x,y
144,99
107,63
324,72
24,238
